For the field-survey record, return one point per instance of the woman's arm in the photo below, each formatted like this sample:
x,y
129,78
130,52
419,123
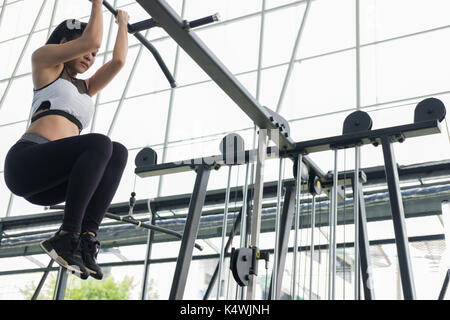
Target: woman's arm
x,y
54,54
94,28
109,70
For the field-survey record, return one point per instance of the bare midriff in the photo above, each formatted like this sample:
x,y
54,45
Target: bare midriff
x,y
52,126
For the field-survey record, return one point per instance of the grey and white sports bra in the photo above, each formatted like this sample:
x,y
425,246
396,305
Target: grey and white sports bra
x,y
65,96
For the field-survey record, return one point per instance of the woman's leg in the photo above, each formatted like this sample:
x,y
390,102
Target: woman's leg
x,y
50,197
104,194
36,169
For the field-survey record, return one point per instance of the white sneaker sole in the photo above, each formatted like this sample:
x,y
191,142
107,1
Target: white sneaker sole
x,y
63,263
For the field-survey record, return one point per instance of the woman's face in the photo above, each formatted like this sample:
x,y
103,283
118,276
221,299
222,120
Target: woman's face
x,y
82,63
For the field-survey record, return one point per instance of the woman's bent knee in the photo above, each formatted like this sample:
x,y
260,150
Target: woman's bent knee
x,y
101,143
120,152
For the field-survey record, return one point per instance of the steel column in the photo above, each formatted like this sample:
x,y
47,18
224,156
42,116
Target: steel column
x,y
257,201
283,242
398,219
190,233
61,284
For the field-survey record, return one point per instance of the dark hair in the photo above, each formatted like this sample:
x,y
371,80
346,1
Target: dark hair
x,y
69,29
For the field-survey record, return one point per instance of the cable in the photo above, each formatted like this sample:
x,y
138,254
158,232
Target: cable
x,y
304,274
345,177
320,253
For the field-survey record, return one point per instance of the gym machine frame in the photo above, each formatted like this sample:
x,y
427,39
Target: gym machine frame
x,y
172,23
164,16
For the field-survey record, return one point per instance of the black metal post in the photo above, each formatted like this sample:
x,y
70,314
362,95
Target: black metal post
x,y
285,229
227,247
364,249
41,283
444,286
398,219
148,254
61,284
190,233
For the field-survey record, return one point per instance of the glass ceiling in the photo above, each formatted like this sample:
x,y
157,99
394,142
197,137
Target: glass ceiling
x,y
404,52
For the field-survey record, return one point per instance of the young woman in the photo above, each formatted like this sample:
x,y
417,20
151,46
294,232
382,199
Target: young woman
x,y
52,163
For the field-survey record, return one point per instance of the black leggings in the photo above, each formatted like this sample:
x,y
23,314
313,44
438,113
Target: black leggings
x,y
84,171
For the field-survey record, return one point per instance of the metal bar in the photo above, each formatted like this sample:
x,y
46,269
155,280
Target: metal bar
x,y
257,203
311,253
334,199
356,207
148,45
42,281
328,237
172,23
298,184
444,286
61,284
398,219
397,133
283,243
433,237
243,228
364,250
275,271
148,254
138,223
293,55
224,233
190,233
227,247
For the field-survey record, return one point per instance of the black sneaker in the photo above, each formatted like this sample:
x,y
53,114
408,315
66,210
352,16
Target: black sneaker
x,y
65,250
90,248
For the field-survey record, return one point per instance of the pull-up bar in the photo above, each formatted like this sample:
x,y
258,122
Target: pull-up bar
x,y
135,28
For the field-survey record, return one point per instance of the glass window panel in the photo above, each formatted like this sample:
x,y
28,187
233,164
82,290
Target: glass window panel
x,y
21,206
326,31
227,9
126,185
142,121
10,134
114,90
189,71
103,118
272,80
208,109
278,49
148,76
235,44
405,68
4,195
37,40
380,19
311,79
278,3
17,103
10,51
14,287
74,11
27,10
